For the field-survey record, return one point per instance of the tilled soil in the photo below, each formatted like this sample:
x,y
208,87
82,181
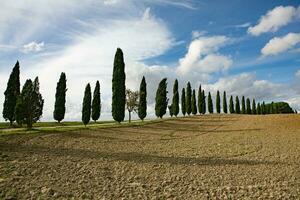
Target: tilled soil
x,y
201,157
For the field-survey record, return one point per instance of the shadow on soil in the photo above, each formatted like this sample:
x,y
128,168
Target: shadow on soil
x,y
81,154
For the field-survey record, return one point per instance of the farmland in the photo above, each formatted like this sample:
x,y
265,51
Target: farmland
x,y
199,157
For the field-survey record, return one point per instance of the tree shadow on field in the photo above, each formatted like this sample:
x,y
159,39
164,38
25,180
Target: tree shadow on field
x,y
203,120
139,158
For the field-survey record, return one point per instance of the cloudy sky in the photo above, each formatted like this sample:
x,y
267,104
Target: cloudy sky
x,y
244,47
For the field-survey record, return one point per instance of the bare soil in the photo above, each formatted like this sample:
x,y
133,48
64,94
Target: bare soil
x,y
200,157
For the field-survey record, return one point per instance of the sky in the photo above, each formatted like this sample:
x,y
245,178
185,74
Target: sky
x,y
244,47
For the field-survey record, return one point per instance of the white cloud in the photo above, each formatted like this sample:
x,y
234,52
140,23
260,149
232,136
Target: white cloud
x,y
202,56
244,25
32,47
298,74
90,57
247,85
274,19
281,44
196,34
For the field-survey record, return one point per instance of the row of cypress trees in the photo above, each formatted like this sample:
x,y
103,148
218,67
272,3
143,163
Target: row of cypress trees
x,y
17,106
189,103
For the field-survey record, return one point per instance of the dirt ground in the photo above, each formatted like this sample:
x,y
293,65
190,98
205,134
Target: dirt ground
x,y
202,157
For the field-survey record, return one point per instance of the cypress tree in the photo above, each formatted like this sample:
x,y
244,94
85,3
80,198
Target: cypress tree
x,y
203,103
86,105
183,106
231,105
118,87
188,98
253,107
194,103
29,106
210,104
11,94
161,101
237,105
175,100
224,102
60,98
263,108
37,101
258,111
96,103
200,100
170,110
248,106
218,102
142,109
271,106
243,105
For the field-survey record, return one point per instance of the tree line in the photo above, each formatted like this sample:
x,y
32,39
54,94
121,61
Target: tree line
x,y
26,106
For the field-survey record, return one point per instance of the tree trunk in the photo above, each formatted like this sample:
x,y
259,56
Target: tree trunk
x,y
129,116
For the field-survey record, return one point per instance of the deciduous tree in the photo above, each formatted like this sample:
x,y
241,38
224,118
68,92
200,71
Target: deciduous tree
x,y
132,103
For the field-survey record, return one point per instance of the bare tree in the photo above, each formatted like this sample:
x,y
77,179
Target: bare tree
x,y
132,101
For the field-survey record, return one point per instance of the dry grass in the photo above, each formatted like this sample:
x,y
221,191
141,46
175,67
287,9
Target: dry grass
x,y
211,156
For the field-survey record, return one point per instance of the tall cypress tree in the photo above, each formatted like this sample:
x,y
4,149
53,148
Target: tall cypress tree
x,y
96,103
29,107
183,106
248,106
253,107
170,107
224,102
11,94
243,105
194,103
38,101
118,87
231,105
203,102
218,102
258,111
200,100
188,98
86,105
175,100
161,101
60,98
210,103
263,108
271,106
237,105
142,109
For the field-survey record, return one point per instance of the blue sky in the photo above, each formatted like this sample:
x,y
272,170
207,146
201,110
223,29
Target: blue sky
x,y
244,47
